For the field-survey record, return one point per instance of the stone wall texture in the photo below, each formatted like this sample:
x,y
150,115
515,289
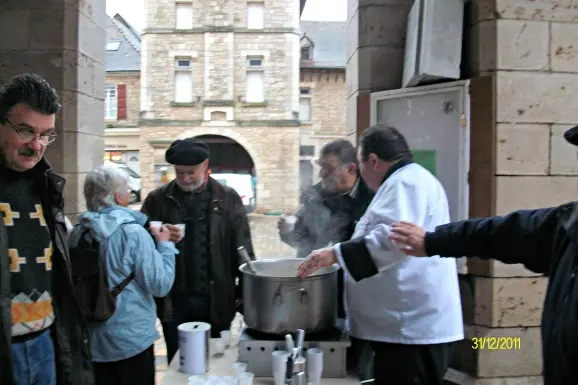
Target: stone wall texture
x,y
328,96
527,50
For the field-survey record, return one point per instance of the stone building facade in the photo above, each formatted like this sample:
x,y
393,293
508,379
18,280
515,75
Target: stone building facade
x,y
323,57
197,67
122,93
230,74
520,57
229,70
219,55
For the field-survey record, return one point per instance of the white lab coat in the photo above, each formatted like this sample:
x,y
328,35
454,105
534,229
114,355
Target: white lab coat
x,y
411,300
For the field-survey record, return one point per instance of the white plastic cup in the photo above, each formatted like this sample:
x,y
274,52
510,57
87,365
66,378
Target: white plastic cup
x,y
156,225
288,223
239,367
246,378
219,346
279,361
181,227
314,364
279,378
226,337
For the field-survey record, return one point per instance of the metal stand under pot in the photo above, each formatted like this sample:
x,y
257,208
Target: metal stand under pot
x,y
255,349
276,303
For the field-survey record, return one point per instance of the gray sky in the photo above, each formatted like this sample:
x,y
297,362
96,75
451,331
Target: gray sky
x,y
328,10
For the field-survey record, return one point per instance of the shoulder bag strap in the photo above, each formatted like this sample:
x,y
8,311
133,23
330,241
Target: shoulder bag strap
x,y
120,287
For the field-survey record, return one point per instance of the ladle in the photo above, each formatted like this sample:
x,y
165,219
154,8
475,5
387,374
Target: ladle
x,y
245,256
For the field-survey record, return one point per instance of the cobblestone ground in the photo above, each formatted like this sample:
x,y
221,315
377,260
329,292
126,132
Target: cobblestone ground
x,y
161,349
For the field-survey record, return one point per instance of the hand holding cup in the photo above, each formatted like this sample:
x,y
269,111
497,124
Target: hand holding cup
x,y
176,235
161,234
286,223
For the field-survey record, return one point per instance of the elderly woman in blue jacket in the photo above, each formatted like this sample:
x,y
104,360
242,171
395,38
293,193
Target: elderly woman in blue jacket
x,y
122,346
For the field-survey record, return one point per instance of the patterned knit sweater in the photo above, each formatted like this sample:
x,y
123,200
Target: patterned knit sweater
x,y
30,251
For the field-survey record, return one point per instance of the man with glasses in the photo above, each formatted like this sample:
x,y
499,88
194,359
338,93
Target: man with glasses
x,y
328,215
43,338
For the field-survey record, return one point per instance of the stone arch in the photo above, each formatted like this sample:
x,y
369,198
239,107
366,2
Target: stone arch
x,y
231,154
227,133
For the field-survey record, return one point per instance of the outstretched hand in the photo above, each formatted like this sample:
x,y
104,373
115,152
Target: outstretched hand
x,y
316,260
411,238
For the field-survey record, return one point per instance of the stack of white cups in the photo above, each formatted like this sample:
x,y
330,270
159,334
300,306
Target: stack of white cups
x,y
314,365
279,366
243,377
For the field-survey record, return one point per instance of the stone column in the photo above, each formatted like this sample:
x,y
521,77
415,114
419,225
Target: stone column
x,y
521,56
375,50
64,42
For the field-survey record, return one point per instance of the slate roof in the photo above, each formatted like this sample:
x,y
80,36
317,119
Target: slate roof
x,y
127,57
329,43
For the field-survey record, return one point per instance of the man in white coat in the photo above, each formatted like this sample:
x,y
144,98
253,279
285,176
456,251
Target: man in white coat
x,y
408,307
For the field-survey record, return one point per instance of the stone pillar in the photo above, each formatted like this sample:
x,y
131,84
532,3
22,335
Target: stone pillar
x,y
64,42
521,56
375,50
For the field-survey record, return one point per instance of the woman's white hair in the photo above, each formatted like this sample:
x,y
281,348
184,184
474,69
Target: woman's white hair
x,y
101,185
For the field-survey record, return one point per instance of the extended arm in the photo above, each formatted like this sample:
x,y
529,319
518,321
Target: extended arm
x,y
524,236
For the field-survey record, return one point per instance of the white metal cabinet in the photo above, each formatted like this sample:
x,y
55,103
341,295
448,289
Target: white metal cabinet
x,y
435,121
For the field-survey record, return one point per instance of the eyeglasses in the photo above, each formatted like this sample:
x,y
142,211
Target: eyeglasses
x,y
27,134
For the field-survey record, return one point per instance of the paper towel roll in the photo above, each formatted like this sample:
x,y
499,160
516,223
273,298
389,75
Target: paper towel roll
x,y
194,347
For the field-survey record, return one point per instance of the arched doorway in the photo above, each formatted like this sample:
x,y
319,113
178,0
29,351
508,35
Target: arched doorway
x,y
233,166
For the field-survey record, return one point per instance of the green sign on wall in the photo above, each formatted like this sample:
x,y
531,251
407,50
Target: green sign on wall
x,y
425,158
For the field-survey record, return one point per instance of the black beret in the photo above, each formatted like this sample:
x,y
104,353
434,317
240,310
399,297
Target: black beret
x,y
187,152
571,135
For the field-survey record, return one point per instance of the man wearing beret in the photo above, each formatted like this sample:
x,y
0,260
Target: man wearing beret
x,y
545,241
206,287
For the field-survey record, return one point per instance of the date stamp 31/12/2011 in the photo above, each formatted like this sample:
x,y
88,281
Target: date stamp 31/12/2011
x,y
496,343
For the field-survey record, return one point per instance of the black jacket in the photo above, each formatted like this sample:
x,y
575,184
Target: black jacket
x,y
546,242
325,218
73,366
229,229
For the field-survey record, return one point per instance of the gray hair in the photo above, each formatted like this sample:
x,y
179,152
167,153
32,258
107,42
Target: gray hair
x,y
101,185
342,149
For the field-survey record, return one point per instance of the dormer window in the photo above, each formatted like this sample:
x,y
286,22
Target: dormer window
x,y
306,48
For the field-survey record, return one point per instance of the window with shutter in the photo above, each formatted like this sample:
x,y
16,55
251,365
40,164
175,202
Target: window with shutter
x,y
110,102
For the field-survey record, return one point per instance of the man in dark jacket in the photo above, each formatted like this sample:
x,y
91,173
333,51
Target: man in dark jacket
x,y
545,241
43,337
329,214
332,207
216,223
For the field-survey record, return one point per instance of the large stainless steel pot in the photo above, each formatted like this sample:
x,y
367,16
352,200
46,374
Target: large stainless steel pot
x,y
276,301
